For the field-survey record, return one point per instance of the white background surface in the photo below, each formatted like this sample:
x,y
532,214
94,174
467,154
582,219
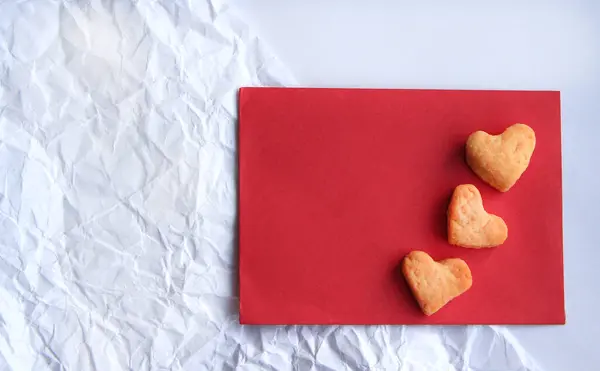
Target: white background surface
x,y
479,45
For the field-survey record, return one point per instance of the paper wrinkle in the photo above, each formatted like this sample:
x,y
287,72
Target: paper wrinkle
x,y
118,203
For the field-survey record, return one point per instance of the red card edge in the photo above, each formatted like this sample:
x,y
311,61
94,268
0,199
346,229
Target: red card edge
x,y
244,88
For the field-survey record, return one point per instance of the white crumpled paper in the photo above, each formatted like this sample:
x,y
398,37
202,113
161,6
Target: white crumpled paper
x,y
118,201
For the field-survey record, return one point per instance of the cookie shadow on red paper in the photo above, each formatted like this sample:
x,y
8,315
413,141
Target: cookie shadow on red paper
x,y
405,296
439,217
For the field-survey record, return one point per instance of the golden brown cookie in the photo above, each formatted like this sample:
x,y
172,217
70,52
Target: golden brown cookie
x,y
432,283
469,225
500,160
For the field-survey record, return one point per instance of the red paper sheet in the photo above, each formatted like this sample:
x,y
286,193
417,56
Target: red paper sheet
x,y
336,186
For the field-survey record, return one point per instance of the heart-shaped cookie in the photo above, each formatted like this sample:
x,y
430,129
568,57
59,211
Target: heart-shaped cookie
x,y
500,160
469,225
432,283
